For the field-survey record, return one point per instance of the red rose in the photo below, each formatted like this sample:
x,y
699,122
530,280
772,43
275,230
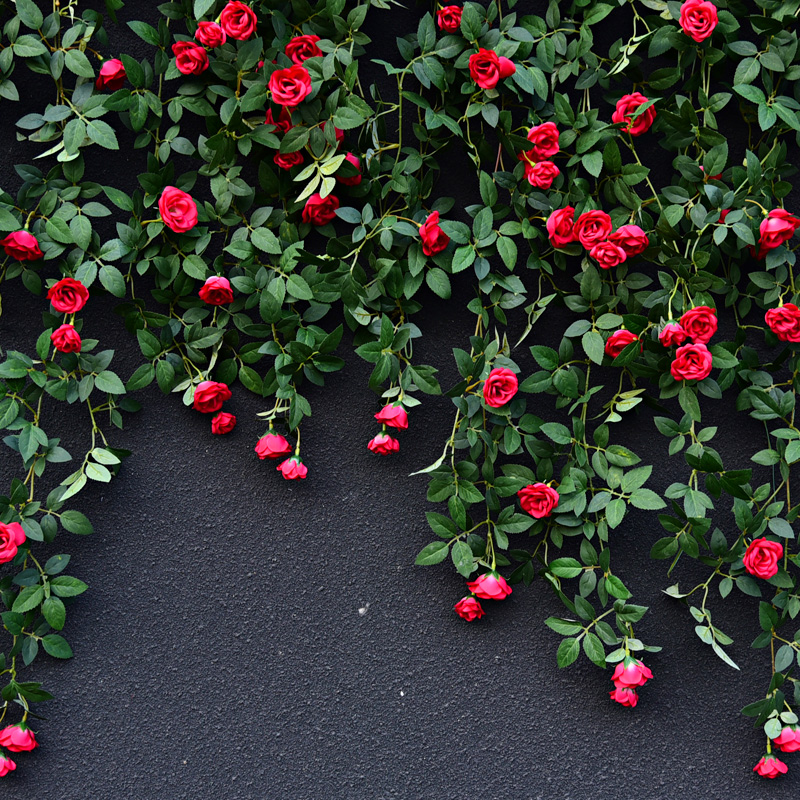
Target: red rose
x,y
216,291
486,68
468,608
66,339
273,445
288,160
775,229
592,227
210,395
22,246
223,423
618,341
17,738
238,20
625,697
541,174
544,138
627,107
190,58
6,765
177,209
284,122
394,416
300,48
112,75
500,387
672,334
607,254
434,239
631,238
784,322
692,363
538,499
11,537
319,210
383,444
293,469
352,180
788,741
68,295
561,227
722,214
700,323
631,673
770,767
290,86
698,19
490,586
761,558
210,34
449,18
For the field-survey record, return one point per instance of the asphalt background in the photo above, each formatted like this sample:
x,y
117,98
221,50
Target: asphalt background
x,y
249,637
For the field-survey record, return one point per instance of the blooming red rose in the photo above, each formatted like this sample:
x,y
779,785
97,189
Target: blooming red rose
x,y
618,341
538,499
500,386
698,19
11,537
607,254
383,445
540,174
627,107
560,226
784,322
290,86
625,697
216,291
770,767
66,339
544,139
210,34
631,238
300,48
293,469
112,75
288,160
190,58
700,323
223,422
788,741
319,210
210,395
630,674
449,18
351,180
469,608
592,227
6,765
434,239
761,558
273,445
18,738
394,416
672,334
284,122
490,586
22,245
68,295
238,20
775,229
486,68
692,363
178,210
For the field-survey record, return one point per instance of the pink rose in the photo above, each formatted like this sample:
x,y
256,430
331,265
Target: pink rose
x,y
11,537
238,20
210,34
540,174
500,386
469,608
560,227
700,323
303,47
6,765
784,322
698,19
630,674
17,738
789,739
627,106
352,180
66,339
319,210
21,245
544,138
190,58
692,363
671,334
216,291
383,445
290,86
293,469
210,395
394,416
449,18
538,499
631,238
223,423
486,68
490,586
434,239
273,445
775,229
112,75
607,254
625,697
592,227
761,558
770,767
618,341
68,295
288,160
178,210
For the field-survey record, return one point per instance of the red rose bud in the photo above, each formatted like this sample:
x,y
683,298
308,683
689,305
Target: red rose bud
x,y
22,245
788,741
68,295
692,363
273,445
770,767
618,341
288,160
627,107
284,122
592,227
223,423
607,254
434,239
449,18
18,738
210,34
6,765
486,68
351,180
216,291
394,416
631,238
775,229
490,586
671,334
784,322
698,19
11,537
112,75
561,227
238,20
178,210
538,499
630,674
303,47
66,339
700,323
544,138
469,608
190,58
293,469
290,86
500,386
319,210
761,558
625,697
383,445
210,395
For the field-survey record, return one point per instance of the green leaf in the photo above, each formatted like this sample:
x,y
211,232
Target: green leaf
x,y
30,597
103,134
297,287
77,63
264,239
108,381
566,567
67,586
56,646
557,432
432,553
54,612
75,522
594,650
567,652
29,14
347,118
615,511
463,558
439,282
646,499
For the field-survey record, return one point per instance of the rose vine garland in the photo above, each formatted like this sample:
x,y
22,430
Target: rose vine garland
x,y
279,189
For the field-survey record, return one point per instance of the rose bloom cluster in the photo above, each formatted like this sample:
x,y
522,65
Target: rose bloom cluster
x,y
540,171
488,586
787,741
273,446
693,360
17,738
392,415
629,675
67,296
